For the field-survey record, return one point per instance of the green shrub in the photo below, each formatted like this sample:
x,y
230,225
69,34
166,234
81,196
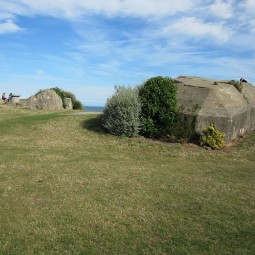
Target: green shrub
x,y
184,128
185,123
77,105
158,99
211,137
121,115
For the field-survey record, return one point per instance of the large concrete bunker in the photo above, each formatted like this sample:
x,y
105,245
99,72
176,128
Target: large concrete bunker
x,y
218,103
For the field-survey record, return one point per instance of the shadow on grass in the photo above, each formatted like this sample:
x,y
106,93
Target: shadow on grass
x,y
94,124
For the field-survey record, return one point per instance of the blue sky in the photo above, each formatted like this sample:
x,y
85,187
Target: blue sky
x,y
87,47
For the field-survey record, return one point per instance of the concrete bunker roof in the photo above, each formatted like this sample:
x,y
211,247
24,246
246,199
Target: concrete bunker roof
x,y
213,100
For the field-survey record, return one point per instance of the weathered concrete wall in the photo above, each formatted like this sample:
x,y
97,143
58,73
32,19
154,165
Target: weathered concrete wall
x,y
249,95
223,105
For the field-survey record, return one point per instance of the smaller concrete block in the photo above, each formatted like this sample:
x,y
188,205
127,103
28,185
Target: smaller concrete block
x,y
68,104
14,99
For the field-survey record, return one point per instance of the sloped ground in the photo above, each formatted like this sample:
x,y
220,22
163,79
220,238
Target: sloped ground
x,y
67,189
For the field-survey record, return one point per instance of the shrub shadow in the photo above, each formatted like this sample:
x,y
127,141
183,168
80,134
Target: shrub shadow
x,y
94,124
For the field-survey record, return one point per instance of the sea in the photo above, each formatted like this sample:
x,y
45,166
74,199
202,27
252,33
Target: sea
x,y
93,108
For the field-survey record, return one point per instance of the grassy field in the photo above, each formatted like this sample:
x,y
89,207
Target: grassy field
x,y
67,189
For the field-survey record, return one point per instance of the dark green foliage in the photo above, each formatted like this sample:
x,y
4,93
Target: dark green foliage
x,y
211,137
184,128
77,105
64,94
185,123
121,115
158,99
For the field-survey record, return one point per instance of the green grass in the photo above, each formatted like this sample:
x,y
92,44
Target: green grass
x,y
66,189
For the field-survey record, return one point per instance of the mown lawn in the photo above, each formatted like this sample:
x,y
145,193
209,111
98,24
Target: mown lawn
x,y
67,189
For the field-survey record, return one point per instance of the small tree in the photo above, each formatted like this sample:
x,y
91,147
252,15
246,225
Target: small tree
x,y
158,99
122,112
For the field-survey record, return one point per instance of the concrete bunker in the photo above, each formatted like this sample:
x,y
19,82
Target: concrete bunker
x,y
218,103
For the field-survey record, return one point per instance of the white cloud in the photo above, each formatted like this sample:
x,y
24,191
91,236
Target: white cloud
x,y
155,8
252,25
9,27
40,73
249,5
78,8
5,15
222,9
196,28
12,7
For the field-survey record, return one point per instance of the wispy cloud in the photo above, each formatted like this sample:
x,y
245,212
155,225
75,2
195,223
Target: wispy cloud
x,y
9,27
78,8
103,43
193,27
222,9
249,6
6,16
